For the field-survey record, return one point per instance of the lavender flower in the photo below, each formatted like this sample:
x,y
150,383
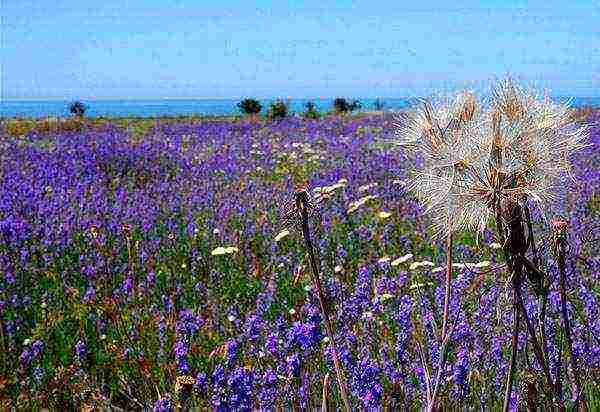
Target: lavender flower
x,y
81,350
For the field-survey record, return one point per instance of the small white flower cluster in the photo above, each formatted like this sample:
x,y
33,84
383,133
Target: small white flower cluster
x,y
221,250
330,189
473,156
360,202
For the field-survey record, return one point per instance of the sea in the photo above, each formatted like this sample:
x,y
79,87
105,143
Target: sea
x,y
200,107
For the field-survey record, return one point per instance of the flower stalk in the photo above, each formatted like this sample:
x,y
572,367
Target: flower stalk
x,y
560,251
543,286
515,333
514,247
445,336
513,356
302,205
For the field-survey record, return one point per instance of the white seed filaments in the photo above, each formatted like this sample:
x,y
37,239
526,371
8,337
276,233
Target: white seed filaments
x,y
472,157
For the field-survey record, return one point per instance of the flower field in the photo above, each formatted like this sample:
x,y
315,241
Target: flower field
x,y
142,271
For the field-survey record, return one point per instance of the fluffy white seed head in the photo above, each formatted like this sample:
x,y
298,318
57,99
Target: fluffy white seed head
x,y
474,155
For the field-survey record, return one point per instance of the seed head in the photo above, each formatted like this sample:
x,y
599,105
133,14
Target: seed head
x,y
473,157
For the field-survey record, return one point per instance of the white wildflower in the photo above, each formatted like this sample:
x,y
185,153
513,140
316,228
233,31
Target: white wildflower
x,y
355,205
384,259
384,215
402,259
281,235
385,296
366,187
224,250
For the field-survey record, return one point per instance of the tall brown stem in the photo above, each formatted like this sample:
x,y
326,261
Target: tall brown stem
x,y
515,333
302,205
544,297
514,247
560,250
536,346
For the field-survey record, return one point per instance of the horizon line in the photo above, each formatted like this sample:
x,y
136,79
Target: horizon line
x,y
64,99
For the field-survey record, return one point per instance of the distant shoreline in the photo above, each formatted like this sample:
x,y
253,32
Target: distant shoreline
x,y
182,108
189,117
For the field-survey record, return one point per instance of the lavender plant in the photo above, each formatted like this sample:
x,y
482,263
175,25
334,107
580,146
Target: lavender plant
x,y
138,269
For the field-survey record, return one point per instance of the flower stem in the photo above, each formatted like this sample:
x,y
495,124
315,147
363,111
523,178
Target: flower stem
x,y
514,247
445,338
536,346
543,299
513,355
302,204
561,260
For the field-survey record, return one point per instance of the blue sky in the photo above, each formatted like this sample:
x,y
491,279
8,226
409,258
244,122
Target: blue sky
x,y
229,49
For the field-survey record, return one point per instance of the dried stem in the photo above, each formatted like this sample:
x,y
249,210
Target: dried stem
x,y
560,250
513,249
445,337
543,300
536,346
302,205
514,346
531,239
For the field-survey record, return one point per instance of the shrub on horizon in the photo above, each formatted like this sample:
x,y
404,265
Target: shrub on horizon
x,y
278,109
77,108
341,105
250,106
311,111
378,104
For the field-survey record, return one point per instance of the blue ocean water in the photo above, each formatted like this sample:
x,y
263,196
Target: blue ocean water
x,y
172,107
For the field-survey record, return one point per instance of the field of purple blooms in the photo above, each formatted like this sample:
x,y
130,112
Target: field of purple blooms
x,y
152,272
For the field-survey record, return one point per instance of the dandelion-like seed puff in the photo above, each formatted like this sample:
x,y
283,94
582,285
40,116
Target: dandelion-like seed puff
x,y
475,157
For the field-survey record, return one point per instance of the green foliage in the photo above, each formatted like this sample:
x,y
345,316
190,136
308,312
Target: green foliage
x,y
250,106
278,110
311,111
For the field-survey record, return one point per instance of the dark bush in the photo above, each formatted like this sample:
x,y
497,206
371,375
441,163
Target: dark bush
x,y
311,111
278,109
341,105
355,105
77,108
250,106
378,104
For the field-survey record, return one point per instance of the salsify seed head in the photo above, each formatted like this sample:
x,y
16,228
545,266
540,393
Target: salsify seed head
x,y
473,156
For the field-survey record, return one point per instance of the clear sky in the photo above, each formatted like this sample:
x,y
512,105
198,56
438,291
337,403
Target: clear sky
x,y
92,49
